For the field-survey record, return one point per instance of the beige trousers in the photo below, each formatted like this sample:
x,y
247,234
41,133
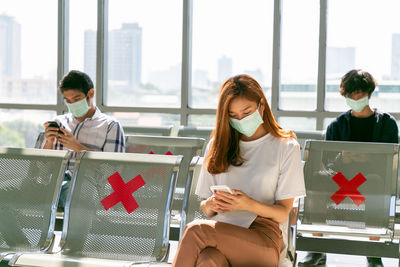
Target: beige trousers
x,y
208,243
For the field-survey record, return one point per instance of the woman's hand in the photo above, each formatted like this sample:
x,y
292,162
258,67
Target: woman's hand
x,y
221,202
212,204
226,202
209,206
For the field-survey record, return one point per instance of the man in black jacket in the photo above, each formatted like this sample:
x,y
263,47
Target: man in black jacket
x,y
360,124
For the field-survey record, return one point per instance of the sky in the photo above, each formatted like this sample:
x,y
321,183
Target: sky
x,y
240,29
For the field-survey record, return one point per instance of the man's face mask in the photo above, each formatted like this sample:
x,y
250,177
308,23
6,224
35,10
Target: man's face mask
x,y
79,108
357,105
248,125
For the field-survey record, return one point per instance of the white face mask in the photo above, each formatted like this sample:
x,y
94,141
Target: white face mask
x,y
357,105
248,125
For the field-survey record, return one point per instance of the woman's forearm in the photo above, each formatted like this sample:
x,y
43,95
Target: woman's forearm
x,y
278,212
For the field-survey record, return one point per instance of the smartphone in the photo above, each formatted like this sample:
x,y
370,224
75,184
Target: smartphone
x,y
55,125
223,188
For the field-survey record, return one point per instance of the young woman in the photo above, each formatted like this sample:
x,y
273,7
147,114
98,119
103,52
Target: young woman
x,y
250,153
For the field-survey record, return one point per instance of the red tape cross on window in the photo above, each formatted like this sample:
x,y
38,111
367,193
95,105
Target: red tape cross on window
x,y
123,192
348,188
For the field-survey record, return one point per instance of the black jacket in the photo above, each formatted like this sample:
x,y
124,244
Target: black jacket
x,y
385,128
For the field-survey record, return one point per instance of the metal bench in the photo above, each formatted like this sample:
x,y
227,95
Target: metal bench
x,y
98,233
30,184
351,199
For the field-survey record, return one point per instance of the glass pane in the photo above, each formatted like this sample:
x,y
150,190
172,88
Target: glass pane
x,y
146,119
298,123
230,37
20,128
144,53
82,39
28,51
299,56
201,120
368,40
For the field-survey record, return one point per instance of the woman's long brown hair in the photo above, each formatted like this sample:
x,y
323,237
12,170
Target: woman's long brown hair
x,y
224,149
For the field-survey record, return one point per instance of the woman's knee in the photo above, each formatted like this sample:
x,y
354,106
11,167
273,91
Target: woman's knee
x,y
211,257
198,227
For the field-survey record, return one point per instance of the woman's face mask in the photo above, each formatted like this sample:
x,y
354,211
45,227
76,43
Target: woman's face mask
x,y
248,125
357,105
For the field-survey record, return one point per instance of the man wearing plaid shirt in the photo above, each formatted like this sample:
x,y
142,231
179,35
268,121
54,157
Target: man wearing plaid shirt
x,y
85,127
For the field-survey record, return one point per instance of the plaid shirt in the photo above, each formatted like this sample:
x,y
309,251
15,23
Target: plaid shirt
x,y
98,133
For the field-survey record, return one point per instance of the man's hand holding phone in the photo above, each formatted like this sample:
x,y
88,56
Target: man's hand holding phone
x,y
52,129
66,138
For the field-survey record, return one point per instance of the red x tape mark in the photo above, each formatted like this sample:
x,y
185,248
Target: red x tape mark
x,y
348,188
155,170
168,153
123,192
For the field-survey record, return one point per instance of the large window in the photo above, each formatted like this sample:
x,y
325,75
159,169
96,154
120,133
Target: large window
x,y
364,35
83,36
230,37
202,120
299,56
28,68
297,123
146,119
144,53
20,128
165,60
28,51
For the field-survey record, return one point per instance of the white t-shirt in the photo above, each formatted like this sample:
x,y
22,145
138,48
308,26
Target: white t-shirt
x,y
272,171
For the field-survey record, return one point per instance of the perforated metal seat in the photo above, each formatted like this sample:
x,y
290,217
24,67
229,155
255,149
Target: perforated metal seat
x,y
351,193
30,183
302,136
194,211
189,148
92,232
149,130
201,132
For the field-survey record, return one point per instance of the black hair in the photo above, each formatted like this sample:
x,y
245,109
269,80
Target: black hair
x,y
357,80
76,80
